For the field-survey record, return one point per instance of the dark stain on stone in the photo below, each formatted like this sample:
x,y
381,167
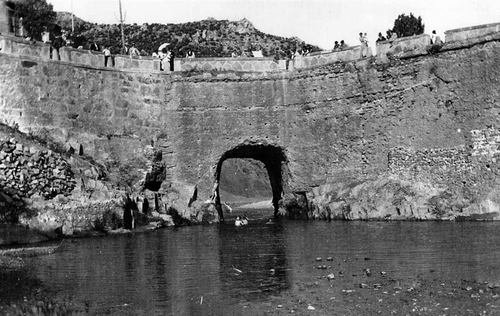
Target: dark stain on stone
x,y
28,64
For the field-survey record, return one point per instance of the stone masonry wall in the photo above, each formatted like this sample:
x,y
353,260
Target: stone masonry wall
x,y
335,124
438,164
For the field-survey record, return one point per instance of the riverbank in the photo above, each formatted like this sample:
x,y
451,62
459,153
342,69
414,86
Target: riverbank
x,y
22,293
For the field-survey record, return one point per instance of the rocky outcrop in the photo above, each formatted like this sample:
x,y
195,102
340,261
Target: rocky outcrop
x,y
25,171
28,173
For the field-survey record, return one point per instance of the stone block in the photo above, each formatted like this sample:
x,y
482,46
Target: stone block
x,y
65,54
96,59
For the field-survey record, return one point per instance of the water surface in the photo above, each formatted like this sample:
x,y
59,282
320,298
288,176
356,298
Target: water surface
x,y
210,270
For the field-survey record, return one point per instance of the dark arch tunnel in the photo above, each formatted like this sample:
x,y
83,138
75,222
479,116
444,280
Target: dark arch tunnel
x,y
274,161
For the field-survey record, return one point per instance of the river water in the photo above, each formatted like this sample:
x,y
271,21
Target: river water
x,y
210,270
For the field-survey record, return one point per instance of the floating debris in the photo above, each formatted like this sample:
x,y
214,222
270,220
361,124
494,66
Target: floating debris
x,y
237,270
330,277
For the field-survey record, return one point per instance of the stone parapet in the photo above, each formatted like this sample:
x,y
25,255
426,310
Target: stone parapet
x,y
20,46
413,45
465,33
96,59
402,48
328,57
240,64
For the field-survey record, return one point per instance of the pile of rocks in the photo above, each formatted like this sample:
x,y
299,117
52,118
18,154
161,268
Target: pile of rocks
x,y
25,171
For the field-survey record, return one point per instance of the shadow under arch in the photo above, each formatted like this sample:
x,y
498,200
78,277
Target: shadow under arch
x,y
274,160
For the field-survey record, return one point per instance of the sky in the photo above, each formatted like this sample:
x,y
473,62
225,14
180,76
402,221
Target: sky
x,y
318,22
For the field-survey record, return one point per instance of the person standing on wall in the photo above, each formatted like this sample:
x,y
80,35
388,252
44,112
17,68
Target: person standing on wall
x,y
171,60
58,43
45,36
363,45
134,52
107,56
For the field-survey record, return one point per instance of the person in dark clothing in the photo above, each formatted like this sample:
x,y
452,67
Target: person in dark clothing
x,y
171,61
336,47
94,47
58,43
381,37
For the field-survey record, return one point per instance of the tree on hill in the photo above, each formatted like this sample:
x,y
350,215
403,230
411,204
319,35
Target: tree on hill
x,y
37,15
408,25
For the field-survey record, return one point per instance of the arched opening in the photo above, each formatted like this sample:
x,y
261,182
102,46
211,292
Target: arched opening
x,y
244,184
273,160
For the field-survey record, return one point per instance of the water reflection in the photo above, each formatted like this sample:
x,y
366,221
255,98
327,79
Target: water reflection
x,y
253,260
204,270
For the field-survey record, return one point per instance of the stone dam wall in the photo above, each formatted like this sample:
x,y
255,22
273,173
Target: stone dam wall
x,y
410,136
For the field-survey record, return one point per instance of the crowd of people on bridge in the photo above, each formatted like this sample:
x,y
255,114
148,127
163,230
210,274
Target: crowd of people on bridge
x,y
166,55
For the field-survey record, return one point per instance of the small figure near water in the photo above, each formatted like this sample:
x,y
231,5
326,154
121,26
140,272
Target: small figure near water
x,y
238,221
244,220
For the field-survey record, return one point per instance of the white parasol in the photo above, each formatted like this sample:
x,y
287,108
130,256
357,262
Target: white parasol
x,y
162,46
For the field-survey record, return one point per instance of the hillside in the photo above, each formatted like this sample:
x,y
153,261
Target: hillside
x,y
244,180
206,38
